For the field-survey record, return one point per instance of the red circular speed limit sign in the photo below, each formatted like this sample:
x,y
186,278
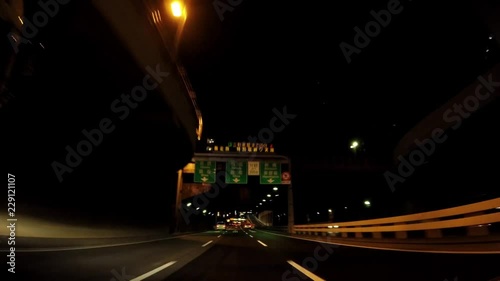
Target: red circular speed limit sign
x,y
285,176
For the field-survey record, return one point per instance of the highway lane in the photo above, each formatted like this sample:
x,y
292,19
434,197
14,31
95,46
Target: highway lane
x,y
117,263
236,256
249,255
242,257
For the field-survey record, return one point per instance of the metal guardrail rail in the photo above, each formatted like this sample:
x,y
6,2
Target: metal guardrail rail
x,y
476,218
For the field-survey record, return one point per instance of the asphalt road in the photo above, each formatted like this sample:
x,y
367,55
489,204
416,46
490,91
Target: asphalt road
x,y
249,255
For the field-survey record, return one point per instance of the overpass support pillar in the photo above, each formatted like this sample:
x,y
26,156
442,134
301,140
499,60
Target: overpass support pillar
x,y
291,216
433,233
401,234
178,201
291,213
477,230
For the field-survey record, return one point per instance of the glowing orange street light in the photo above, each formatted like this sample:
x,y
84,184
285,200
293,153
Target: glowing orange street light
x,y
177,9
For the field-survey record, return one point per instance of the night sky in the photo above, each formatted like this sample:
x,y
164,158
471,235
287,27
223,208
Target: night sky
x,y
263,56
270,55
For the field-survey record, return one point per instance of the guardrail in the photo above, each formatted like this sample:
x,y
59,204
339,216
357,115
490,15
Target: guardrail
x,y
476,218
283,229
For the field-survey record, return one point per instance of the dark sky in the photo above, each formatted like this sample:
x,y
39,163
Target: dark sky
x,y
264,55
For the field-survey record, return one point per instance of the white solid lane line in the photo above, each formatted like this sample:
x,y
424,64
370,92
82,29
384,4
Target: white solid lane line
x,y
262,243
146,275
218,236
306,272
207,243
251,236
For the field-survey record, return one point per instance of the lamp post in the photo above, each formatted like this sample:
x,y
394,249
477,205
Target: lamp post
x,y
177,9
354,146
330,214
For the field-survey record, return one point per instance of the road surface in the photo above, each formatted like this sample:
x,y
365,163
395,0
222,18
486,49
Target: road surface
x,y
247,255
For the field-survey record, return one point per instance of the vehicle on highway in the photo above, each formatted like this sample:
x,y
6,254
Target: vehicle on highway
x,y
221,225
248,225
232,226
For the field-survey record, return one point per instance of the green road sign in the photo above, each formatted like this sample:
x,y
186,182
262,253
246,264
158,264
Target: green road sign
x,y
270,173
236,172
204,171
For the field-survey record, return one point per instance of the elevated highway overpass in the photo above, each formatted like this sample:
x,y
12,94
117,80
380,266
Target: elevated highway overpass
x,y
101,105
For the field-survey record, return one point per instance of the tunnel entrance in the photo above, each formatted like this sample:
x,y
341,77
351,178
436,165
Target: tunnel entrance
x,y
219,185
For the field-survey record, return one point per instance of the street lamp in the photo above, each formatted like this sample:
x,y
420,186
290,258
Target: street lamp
x,y
354,145
177,9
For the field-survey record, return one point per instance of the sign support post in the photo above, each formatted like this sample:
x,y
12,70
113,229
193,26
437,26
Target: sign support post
x,y
291,213
178,201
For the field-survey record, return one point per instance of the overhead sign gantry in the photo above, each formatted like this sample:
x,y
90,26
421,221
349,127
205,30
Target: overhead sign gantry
x,y
239,165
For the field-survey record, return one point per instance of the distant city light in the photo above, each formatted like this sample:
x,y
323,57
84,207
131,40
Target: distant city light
x,y
368,203
269,195
275,188
188,204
